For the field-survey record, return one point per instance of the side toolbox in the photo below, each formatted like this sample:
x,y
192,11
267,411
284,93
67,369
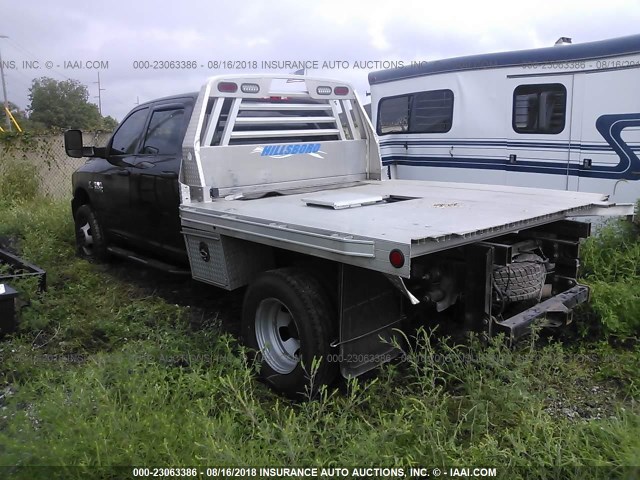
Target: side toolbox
x,y
224,261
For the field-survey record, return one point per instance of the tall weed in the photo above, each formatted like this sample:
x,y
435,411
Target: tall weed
x,y
19,181
102,373
611,267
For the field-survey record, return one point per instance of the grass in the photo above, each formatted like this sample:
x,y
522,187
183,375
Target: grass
x,y
612,268
102,373
18,181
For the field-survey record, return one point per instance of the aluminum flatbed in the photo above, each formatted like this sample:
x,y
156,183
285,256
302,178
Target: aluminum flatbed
x,y
417,217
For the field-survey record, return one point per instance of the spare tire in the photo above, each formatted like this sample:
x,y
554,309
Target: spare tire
x,y
523,279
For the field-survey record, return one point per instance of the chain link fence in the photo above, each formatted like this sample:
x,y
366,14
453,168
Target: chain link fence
x,y
47,159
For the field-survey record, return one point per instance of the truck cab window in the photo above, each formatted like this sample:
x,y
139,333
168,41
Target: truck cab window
x,y
164,135
539,108
126,138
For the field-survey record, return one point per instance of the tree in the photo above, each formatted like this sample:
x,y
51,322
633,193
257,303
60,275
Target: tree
x,y
109,123
62,105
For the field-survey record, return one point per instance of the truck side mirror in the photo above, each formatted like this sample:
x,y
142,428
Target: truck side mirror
x,y
73,145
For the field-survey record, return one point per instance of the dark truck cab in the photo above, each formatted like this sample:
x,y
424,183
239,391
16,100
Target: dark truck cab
x,y
126,196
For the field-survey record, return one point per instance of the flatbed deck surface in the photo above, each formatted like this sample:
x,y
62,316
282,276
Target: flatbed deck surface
x,y
434,212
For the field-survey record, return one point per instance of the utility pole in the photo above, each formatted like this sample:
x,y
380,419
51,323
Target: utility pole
x,y
99,96
4,91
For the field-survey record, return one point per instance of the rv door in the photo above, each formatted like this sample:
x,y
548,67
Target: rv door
x,y
539,149
609,118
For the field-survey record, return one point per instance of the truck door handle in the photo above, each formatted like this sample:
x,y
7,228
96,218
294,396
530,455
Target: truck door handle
x,y
123,173
168,174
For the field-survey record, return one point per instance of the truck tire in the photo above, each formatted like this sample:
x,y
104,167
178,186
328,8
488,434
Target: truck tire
x,y
90,241
288,321
523,279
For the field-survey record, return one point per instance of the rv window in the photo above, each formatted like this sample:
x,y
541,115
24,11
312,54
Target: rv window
x,y
420,112
431,112
539,108
393,115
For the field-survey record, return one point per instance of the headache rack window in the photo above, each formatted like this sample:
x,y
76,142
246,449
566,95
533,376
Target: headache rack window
x,y
539,109
270,120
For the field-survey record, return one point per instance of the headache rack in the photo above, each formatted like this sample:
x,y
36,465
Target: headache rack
x,y
288,131
271,120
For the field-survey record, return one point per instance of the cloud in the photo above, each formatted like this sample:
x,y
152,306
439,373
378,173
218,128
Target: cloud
x,y
123,32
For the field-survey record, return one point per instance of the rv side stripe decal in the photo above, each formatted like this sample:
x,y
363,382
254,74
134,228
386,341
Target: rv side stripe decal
x,y
553,168
497,143
609,126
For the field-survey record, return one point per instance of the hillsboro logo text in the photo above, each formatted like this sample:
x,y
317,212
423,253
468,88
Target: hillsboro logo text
x,y
284,151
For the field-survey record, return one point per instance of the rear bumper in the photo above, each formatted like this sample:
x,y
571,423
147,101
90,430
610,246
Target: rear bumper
x,y
556,310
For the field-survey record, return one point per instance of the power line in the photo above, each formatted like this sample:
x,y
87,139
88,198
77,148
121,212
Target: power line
x,y
28,53
33,56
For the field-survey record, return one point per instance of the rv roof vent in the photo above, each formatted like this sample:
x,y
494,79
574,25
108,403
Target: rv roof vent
x,y
563,41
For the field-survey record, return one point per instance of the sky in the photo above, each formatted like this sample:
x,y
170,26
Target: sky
x,y
123,40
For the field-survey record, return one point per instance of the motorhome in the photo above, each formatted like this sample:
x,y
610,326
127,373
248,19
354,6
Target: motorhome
x,y
565,117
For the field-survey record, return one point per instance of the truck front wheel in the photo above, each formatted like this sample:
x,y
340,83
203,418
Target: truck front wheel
x,y
90,241
288,320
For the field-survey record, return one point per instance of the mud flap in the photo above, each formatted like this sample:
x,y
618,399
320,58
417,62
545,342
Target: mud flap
x,y
370,308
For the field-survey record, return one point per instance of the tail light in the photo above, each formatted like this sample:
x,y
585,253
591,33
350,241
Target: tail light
x,y
396,258
250,87
227,87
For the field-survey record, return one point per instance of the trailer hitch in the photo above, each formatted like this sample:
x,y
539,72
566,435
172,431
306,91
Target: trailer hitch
x,y
556,310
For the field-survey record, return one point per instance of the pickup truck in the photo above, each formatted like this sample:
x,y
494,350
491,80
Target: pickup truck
x,y
275,186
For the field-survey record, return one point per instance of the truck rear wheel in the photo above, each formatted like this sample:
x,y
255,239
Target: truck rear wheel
x,y
288,320
90,241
